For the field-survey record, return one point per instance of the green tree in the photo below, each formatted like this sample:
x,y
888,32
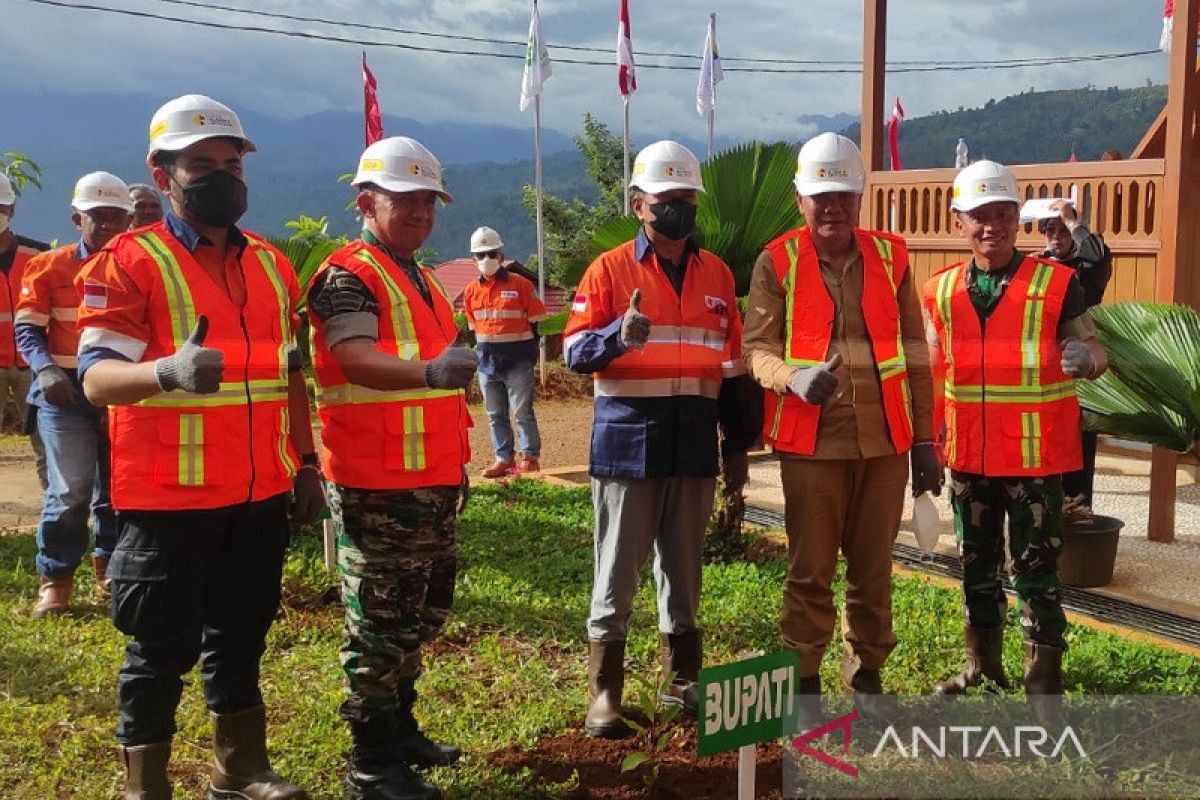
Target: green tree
x,y
21,170
570,225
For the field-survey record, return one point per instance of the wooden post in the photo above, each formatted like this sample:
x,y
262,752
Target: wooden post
x,y
1180,204
874,79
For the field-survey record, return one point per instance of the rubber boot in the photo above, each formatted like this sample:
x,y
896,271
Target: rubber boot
x,y
985,648
606,683
866,687
100,569
411,745
809,712
1044,682
374,773
146,771
241,769
681,655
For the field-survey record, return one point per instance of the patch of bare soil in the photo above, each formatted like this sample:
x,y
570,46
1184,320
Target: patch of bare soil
x,y
681,776
565,426
20,494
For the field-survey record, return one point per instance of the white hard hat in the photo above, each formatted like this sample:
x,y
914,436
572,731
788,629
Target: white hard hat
x,y
485,239
829,163
101,190
7,195
401,164
981,183
182,122
664,166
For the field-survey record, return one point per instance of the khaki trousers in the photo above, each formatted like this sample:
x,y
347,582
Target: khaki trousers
x,y
854,506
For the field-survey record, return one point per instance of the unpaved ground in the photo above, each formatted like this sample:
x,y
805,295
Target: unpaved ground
x,y
566,428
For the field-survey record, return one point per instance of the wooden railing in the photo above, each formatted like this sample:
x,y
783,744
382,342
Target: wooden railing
x,y
1118,199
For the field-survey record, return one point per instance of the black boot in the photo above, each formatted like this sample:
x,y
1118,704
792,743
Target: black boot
x,y
985,647
374,773
412,746
809,712
681,655
1044,682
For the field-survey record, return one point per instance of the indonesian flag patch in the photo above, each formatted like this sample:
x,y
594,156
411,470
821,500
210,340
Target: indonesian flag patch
x,y
95,295
579,303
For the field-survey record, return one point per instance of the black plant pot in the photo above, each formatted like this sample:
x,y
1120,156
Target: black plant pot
x,y
1089,552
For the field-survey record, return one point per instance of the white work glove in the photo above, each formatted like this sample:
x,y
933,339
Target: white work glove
x,y
193,367
635,327
816,384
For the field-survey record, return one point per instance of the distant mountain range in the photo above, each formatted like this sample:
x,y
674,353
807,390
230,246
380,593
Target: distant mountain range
x,y
299,162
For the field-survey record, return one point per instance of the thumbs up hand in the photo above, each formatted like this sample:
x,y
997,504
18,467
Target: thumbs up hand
x,y
193,367
635,327
816,384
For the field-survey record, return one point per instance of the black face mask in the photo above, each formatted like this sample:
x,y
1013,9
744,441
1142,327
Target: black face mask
x,y
674,220
218,199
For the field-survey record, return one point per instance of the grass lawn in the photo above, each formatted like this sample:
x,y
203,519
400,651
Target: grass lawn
x,y
508,672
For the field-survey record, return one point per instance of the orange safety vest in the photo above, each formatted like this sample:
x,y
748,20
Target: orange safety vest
x,y
49,300
177,450
404,439
10,291
500,311
789,423
1009,408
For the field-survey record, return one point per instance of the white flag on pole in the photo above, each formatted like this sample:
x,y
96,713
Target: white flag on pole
x,y
710,71
537,61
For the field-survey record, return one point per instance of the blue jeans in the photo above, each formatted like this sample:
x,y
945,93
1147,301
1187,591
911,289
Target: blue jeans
x,y
502,390
77,470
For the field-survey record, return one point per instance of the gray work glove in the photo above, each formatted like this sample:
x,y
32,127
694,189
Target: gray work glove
x,y
308,496
452,369
815,385
57,387
193,367
635,327
1077,360
735,471
927,472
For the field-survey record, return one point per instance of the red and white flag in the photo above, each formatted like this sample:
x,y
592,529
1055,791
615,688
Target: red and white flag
x,y
893,126
1164,42
372,117
626,79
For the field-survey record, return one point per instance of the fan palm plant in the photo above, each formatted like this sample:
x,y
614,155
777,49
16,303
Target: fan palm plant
x,y
748,201
1151,392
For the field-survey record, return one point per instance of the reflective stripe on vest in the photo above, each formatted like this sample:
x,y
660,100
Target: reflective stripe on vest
x,y
402,324
354,394
191,449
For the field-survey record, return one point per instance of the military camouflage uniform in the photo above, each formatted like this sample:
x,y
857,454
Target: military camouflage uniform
x,y
1034,509
396,555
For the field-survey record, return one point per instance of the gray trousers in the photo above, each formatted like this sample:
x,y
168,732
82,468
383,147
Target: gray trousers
x,y
15,382
634,515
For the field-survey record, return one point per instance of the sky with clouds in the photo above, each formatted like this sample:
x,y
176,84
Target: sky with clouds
x,y
83,51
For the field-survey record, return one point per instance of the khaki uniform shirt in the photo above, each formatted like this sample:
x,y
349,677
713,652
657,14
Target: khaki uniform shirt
x,y
852,423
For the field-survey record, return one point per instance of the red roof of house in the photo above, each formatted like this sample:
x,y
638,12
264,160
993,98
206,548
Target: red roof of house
x,y
457,273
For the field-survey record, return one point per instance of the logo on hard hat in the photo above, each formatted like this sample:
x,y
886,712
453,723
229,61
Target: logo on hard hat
x,y
202,120
158,129
831,172
422,170
371,165
677,171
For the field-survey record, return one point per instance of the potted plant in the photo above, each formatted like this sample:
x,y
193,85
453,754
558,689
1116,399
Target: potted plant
x,y
1151,394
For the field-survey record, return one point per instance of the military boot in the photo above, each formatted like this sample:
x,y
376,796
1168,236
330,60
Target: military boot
x,y
241,769
606,683
146,771
374,772
985,648
809,712
1044,681
680,654
411,745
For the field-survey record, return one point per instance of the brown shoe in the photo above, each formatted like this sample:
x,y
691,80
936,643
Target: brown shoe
x,y
100,569
606,683
498,469
241,768
54,596
529,463
146,771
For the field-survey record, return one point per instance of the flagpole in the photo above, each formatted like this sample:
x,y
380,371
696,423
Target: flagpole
x,y
625,158
541,253
712,112
711,124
